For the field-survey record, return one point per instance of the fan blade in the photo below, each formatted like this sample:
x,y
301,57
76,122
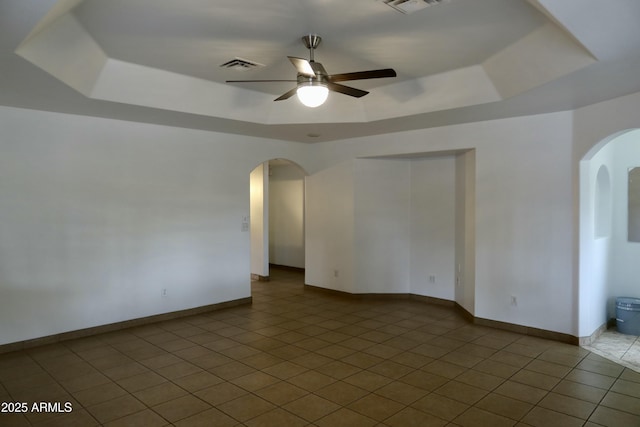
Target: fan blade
x,y
287,95
362,75
303,66
318,68
346,90
257,81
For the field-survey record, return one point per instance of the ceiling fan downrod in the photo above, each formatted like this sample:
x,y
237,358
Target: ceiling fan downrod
x,y
311,41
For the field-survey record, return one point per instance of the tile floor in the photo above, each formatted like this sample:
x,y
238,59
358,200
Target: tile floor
x,y
306,358
617,347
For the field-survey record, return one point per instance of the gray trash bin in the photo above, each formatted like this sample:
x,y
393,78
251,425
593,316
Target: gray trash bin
x,y
628,315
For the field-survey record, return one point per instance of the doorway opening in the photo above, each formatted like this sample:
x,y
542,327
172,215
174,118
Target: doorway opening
x,y
608,264
276,217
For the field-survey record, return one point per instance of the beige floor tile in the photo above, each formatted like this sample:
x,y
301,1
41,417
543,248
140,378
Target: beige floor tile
x,y
391,369
160,361
567,405
613,418
535,379
99,394
475,417
368,380
311,407
440,406
413,360
346,418
220,393
362,360
513,359
198,381
590,378
480,379
561,358
424,380
629,388
301,357
311,380
505,406
254,381
125,371
548,368
541,417
43,393
276,418
603,367
181,408
621,402
159,394
445,369
376,407
498,369
401,392
208,418
281,393
338,369
141,381
146,418
580,391
77,418
630,375
341,393
311,360
246,407
116,408
523,392
231,370
430,350
410,417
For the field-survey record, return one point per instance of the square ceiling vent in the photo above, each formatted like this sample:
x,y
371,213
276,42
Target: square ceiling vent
x,y
240,64
410,6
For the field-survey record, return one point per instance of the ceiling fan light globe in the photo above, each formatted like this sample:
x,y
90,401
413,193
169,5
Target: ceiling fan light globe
x,y
312,95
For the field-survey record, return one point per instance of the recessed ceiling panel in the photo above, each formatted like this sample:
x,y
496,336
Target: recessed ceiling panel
x,y
193,37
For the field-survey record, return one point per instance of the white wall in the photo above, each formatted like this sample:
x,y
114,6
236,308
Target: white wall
x,y
259,219
465,230
594,127
625,255
608,261
595,252
382,200
329,222
524,207
98,216
432,226
286,215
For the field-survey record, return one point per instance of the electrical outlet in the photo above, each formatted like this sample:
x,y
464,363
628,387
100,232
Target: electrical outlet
x,y
514,301
163,293
432,279
335,273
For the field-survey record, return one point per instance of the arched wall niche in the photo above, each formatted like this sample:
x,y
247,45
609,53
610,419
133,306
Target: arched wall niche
x,y
602,203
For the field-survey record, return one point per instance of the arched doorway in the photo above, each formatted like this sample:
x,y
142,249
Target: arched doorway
x,y
608,266
276,217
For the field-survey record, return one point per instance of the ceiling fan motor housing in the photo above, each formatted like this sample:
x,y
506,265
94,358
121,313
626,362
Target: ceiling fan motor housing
x,y
311,41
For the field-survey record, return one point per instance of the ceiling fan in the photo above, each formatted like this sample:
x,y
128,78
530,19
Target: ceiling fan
x,y
313,82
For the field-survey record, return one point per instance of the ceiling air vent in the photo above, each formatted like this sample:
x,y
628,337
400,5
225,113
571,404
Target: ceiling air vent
x,y
241,64
410,6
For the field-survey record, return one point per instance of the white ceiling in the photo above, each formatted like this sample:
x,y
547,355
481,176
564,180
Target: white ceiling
x,y
158,61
